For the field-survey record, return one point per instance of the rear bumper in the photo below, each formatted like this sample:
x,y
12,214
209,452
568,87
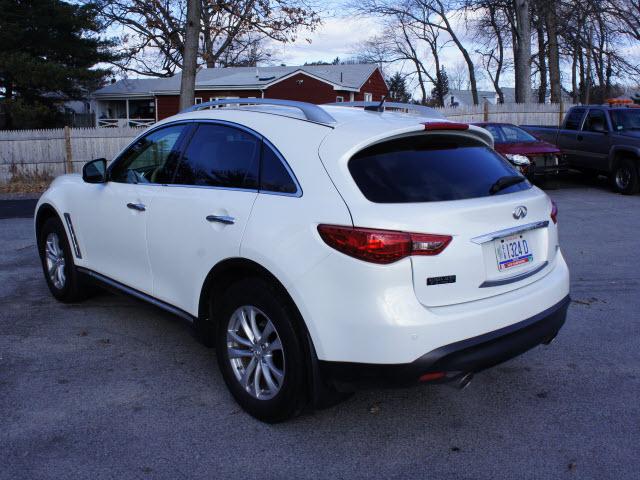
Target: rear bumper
x,y
467,356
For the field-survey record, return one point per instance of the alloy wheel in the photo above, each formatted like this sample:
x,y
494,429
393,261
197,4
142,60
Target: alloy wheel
x,y
54,257
255,352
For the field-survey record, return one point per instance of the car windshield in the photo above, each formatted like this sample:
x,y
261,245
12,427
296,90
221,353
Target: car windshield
x,y
509,134
626,119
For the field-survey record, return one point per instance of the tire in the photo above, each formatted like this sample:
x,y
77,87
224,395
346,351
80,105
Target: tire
x,y
64,281
624,178
281,391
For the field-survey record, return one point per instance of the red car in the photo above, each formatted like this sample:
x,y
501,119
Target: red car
x,y
532,156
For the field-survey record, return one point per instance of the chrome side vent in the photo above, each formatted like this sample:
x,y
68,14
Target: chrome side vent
x,y
74,240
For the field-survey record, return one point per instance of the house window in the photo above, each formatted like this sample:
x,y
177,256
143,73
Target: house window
x,y
339,99
198,100
368,97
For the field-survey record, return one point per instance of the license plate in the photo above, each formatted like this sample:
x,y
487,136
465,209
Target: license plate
x,y
511,252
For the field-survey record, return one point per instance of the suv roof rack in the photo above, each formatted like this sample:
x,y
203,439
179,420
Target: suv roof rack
x,y
411,107
311,112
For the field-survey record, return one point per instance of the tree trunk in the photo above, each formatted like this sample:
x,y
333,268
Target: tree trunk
x,y
190,56
554,52
523,51
574,75
542,63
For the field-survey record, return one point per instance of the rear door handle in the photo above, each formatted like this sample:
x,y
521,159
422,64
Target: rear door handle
x,y
136,206
221,219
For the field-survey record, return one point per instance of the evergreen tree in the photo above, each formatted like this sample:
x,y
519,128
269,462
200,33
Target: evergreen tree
x,y
48,49
440,89
398,89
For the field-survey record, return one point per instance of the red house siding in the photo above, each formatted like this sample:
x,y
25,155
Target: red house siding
x,y
375,86
299,87
303,88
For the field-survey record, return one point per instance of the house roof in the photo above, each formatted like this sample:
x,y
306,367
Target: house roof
x,y
342,77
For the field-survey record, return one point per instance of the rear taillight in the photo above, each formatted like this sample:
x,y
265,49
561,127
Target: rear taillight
x,y
554,212
445,126
381,246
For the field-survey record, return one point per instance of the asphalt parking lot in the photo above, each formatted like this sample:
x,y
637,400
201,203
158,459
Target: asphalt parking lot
x,y
113,388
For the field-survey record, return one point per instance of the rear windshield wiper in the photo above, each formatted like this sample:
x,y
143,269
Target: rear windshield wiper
x,y
504,182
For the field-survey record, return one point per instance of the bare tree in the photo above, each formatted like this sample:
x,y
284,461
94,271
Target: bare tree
x,y
435,14
190,55
458,76
522,50
153,34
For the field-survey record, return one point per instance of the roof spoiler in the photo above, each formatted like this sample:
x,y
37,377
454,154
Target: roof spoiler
x,y
381,107
311,112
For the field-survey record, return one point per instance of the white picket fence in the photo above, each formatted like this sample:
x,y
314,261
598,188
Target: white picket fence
x,y
57,151
54,152
550,114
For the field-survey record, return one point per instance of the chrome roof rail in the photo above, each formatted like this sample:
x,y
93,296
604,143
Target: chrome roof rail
x,y
411,107
312,112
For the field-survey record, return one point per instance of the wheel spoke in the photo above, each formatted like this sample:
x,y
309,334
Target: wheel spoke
x,y
238,339
279,374
275,345
245,326
254,325
239,353
256,379
266,371
268,330
244,381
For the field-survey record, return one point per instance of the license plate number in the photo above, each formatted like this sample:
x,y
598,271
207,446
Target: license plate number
x,y
511,252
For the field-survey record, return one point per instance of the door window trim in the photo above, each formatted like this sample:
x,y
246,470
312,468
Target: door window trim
x,y
184,143
179,146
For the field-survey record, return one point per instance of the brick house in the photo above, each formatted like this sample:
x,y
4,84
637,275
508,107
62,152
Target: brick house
x,y
145,101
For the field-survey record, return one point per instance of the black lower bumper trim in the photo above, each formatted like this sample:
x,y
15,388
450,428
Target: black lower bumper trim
x,y
470,355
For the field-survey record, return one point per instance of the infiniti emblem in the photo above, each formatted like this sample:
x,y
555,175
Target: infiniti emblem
x,y
520,212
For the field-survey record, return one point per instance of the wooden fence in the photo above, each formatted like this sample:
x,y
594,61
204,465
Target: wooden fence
x,y
550,114
54,152
58,151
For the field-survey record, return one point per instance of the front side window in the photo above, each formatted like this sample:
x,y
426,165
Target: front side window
x,y
151,159
220,156
431,169
595,122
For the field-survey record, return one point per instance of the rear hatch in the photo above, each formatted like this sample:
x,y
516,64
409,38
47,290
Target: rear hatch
x,y
444,183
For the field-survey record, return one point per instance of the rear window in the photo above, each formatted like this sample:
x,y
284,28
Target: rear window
x,y
574,118
429,169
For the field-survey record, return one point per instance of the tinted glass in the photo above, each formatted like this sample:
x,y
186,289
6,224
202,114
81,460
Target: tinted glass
x,y
220,156
428,169
595,121
274,176
574,117
628,119
151,159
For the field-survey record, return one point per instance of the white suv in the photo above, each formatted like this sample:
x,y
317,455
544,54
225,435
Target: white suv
x,y
319,247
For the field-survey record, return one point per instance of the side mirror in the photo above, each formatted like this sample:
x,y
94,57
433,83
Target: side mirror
x,y
95,171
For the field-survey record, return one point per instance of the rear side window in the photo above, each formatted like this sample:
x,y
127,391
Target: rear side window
x,y
429,169
220,156
574,118
274,176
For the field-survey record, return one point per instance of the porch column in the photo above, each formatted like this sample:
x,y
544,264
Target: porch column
x,y
127,110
